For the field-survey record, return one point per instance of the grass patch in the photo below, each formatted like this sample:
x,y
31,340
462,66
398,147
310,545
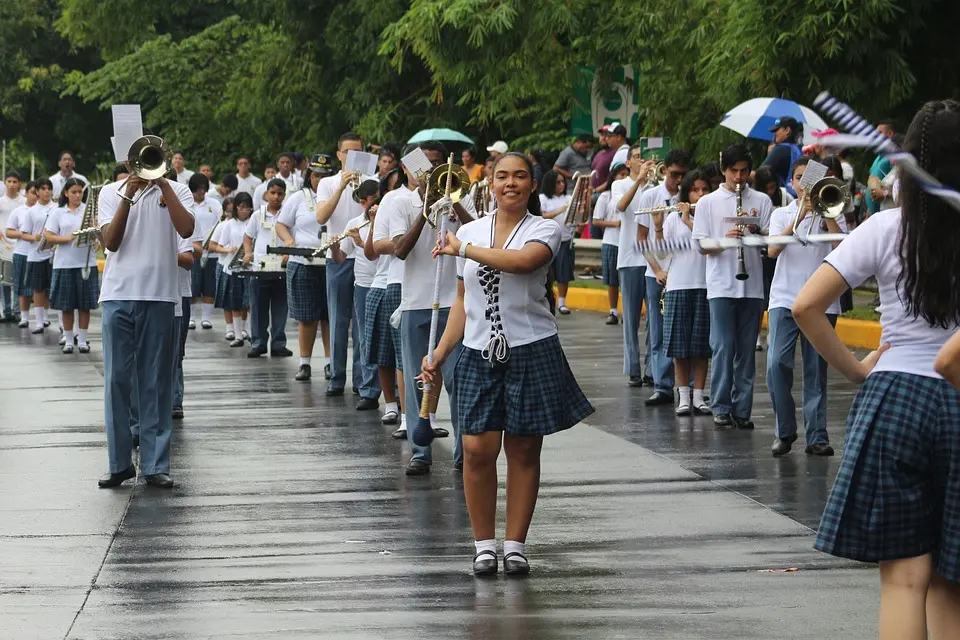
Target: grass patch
x,y
588,284
862,313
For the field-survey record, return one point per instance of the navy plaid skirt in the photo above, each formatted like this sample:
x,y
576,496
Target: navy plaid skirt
x,y
535,394
307,292
686,323
376,331
20,286
563,263
39,275
897,493
203,280
232,293
391,302
69,291
608,258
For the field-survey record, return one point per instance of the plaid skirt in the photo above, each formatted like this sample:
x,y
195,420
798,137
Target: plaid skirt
x,y
307,292
897,493
535,394
39,275
686,323
203,280
391,302
608,263
69,291
232,293
563,263
376,332
20,286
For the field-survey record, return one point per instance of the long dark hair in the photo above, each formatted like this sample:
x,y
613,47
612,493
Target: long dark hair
x,y
71,182
688,183
930,263
550,178
764,176
533,206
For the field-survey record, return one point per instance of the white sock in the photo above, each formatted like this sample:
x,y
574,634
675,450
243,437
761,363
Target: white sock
x,y
684,395
403,422
60,318
82,336
68,334
43,314
207,313
392,406
511,546
38,316
237,326
304,361
698,397
246,323
614,313
562,302
486,545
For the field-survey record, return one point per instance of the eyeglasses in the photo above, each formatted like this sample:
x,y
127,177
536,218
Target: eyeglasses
x,y
678,175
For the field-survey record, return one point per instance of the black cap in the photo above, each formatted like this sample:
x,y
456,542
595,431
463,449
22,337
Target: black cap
x,y
321,163
366,189
785,121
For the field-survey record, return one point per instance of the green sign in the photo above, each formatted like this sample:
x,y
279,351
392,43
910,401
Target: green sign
x,y
654,148
594,107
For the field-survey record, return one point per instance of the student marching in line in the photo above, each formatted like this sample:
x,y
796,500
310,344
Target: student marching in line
x,y
21,249
188,252
232,294
554,201
39,258
605,217
209,213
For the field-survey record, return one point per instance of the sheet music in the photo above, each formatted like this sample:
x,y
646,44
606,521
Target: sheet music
x,y
362,162
127,127
417,162
814,173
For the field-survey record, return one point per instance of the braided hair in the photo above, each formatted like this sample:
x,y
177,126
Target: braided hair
x,y
929,229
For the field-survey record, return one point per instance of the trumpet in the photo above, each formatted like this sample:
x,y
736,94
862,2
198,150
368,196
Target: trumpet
x,y
149,158
741,263
578,209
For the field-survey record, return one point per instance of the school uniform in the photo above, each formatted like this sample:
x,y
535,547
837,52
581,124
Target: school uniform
x,y
204,272
363,272
375,337
69,290
661,363
181,317
294,183
632,269
139,292
340,287
686,316
21,249
58,180
39,263
389,344
268,295
563,257
248,184
605,209
7,207
306,277
512,375
232,292
795,265
736,306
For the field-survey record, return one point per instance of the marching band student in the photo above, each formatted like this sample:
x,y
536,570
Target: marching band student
x,y
188,252
69,290
208,213
246,181
59,179
335,206
229,214
605,217
10,200
297,226
686,315
514,383
895,499
676,163
21,249
178,164
553,203
632,266
364,271
794,266
765,180
284,171
39,267
226,189
735,305
268,295
232,295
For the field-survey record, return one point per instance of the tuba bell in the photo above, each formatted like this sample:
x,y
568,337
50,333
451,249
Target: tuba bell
x,y
437,186
149,158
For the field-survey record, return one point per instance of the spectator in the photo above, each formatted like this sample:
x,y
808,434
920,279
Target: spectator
x,y
787,135
575,158
617,139
497,149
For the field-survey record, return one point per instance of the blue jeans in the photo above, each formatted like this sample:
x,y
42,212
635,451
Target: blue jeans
x,y
633,287
137,342
268,310
781,355
370,380
661,364
340,308
414,336
184,329
734,327
9,308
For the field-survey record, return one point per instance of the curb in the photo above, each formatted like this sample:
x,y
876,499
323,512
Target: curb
x,y
864,334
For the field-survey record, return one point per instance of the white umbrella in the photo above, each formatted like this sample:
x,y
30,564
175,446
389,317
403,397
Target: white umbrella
x,y
754,118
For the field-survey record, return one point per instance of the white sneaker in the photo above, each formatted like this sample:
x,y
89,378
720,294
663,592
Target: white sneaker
x,y
230,336
192,324
67,348
683,409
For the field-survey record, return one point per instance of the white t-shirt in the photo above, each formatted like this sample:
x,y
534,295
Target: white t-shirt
x,y
652,197
722,268
796,263
552,204
57,180
419,266
524,309
262,221
628,254
684,270
621,156
63,222
229,235
605,210
184,176
21,247
389,206
145,265
248,184
33,223
206,214
7,207
871,250
347,208
363,270
300,218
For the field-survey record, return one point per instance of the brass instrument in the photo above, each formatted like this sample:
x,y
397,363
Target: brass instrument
x,y
741,264
89,235
149,158
42,243
578,209
659,173
445,180
482,196
829,198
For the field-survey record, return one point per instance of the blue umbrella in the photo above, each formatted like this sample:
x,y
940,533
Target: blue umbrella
x,y
754,118
443,135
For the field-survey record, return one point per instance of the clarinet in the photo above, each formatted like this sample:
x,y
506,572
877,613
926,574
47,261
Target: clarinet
x,y
741,265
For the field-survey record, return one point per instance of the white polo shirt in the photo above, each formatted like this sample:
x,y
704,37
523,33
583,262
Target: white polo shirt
x,y
652,197
261,228
389,207
722,268
248,184
184,176
628,254
145,266
229,235
33,223
363,270
297,215
552,204
57,180
684,270
346,209
605,210
7,207
21,247
63,222
206,214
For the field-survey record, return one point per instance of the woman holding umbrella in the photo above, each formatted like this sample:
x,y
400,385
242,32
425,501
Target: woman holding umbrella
x,y
787,136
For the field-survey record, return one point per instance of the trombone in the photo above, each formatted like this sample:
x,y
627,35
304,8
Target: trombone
x,y
447,179
829,198
149,158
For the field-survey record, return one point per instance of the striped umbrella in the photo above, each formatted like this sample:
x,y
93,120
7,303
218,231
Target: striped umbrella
x,y
754,118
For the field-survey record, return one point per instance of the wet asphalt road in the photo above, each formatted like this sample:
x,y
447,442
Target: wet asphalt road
x,y
292,517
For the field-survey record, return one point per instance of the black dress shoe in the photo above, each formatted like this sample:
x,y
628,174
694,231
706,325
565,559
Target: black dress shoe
x,y
635,381
400,434
722,421
782,446
36,331
355,391
515,564
178,413
417,468
327,373
303,373
485,564
334,392
648,380
822,449
367,404
440,432
110,480
256,352
746,425
658,398
612,320
281,352
159,480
